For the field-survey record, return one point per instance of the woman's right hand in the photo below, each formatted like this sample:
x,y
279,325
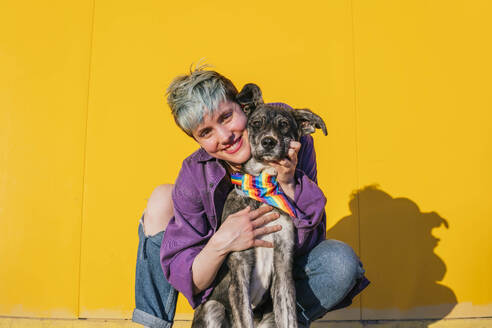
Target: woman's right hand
x,y
241,230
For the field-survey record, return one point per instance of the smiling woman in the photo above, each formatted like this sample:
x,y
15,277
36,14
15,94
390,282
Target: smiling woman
x,y
188,247
223,134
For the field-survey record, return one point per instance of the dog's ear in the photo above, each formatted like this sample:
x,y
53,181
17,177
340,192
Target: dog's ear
x,y
308,122
249,98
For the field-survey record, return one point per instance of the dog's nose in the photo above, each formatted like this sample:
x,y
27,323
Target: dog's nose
x,y
268,143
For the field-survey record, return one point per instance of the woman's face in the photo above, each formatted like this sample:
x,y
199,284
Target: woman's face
x,y
224,134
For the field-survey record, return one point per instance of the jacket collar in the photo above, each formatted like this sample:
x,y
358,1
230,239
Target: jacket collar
x,y
202,155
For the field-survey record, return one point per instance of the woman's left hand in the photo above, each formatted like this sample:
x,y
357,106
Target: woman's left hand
x,y
286,169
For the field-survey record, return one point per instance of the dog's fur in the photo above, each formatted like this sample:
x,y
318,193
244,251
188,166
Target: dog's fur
x,y
250,277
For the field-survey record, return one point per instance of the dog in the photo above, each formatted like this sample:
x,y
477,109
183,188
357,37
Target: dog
x,y
255,287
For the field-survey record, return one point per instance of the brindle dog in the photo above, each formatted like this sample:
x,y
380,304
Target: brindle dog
x,y
241,297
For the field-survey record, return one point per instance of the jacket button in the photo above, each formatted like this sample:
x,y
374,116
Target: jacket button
x,y
211,185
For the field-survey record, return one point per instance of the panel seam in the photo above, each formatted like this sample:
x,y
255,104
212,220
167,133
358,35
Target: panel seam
x,y
91,47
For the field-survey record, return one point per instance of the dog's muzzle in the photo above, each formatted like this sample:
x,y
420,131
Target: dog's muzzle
x,y
268,143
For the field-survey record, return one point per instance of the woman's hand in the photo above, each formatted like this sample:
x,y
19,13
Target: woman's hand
x,y
238,232
286,169
241,230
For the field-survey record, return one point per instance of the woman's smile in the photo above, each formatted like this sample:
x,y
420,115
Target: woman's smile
x,y
235,146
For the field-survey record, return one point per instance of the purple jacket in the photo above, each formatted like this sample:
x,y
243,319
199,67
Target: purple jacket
x,y
199,195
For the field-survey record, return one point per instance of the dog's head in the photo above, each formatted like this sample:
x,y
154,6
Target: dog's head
x,y
272,127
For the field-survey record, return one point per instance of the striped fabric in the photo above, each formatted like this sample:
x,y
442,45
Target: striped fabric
x,y
263,188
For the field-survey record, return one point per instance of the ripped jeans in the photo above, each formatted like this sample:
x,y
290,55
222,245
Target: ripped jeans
x,y
326,279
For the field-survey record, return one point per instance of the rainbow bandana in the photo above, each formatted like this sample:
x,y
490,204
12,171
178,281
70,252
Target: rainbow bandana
x,y
263,188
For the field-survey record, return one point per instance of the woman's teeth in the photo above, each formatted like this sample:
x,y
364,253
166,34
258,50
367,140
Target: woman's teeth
x,y
235,146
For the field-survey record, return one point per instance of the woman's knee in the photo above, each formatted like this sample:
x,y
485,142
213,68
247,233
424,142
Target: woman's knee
x,y
339,260
331,270
159,210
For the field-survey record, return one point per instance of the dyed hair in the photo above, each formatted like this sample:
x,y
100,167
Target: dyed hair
x,y
198,93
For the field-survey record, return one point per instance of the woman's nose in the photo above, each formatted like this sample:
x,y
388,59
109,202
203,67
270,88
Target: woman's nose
x,y
225,135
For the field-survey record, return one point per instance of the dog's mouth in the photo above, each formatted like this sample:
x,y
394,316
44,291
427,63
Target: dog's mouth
x,y
267,158
274,155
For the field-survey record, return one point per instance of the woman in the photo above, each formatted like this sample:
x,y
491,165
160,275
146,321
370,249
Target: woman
x,y
327,273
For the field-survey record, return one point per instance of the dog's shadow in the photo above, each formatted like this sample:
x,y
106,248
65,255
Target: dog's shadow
x,y
397,249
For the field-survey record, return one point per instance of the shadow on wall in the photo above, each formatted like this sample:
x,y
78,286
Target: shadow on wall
x,y
397,249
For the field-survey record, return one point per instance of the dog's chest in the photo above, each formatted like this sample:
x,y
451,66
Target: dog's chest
x,y
264,265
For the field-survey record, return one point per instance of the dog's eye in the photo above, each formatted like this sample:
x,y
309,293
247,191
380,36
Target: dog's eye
x,y
256,124
283,124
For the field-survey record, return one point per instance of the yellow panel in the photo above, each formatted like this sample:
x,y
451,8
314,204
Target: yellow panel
x,y
424,110
298,54
44,65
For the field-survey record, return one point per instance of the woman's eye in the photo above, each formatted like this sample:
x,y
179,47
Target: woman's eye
x,y
204,133
226,116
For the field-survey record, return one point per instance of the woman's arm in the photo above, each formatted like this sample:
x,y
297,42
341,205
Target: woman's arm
x,y
238,232
298,179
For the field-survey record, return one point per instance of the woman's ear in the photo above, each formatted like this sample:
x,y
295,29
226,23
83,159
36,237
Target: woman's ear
x,y
308,122
249,98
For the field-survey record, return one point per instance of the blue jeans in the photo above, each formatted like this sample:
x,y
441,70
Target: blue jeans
x,y
326,279
155,298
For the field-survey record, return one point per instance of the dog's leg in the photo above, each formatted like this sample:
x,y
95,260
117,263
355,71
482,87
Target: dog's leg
x,y
283,290
268,321
240,264
211,314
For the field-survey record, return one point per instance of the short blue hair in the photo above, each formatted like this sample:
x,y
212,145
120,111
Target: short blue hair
x,y
196,94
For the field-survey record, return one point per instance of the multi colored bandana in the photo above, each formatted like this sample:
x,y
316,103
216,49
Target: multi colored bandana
x,y
263,188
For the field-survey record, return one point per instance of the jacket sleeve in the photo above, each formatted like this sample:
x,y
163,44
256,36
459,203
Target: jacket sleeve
x,y
309,200
185,236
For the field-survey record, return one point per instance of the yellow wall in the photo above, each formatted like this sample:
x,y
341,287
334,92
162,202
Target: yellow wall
x,y
44,69
85,136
